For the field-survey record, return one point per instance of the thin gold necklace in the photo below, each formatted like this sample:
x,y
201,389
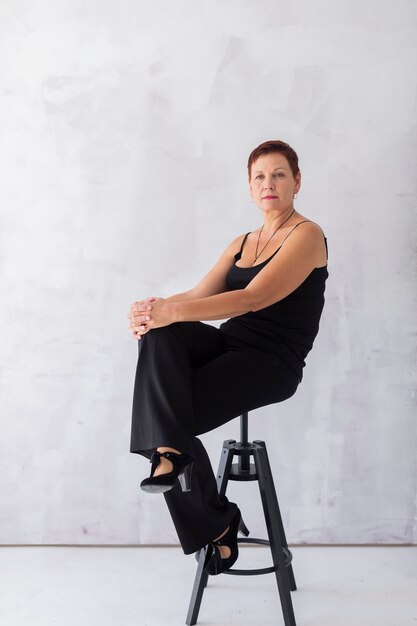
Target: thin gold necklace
x,y
259,236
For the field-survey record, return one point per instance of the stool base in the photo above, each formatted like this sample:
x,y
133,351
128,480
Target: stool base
x,y
260,470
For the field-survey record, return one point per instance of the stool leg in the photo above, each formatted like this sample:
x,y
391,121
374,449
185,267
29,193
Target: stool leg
x,y
293,585
273,523
200,582
201,576
225,464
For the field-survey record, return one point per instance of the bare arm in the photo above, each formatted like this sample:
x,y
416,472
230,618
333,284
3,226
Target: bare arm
x,y
285,272
181,297
217,307
213,283
300,254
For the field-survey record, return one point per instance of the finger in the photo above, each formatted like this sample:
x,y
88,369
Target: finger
x,y
140,315
141,319
144,302
140,308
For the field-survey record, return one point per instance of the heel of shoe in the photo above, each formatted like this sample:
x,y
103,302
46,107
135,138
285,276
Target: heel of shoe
x,y
243,528
185,477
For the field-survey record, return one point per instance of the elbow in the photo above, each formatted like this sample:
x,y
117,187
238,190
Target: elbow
x,y
253,303
257,306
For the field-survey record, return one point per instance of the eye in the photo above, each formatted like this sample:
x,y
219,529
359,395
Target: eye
x,y
258,176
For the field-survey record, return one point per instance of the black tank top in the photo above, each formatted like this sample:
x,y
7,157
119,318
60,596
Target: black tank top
x,y
286,328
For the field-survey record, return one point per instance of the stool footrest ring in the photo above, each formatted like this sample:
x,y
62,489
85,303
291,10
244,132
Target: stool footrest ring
x,y
250,572
264,570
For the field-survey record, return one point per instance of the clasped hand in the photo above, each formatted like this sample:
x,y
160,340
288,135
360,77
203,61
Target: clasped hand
x,y
147,314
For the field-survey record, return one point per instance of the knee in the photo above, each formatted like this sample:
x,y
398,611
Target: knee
x,y
159,334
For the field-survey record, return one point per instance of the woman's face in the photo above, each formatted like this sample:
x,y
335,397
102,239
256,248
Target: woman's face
x,y
272,184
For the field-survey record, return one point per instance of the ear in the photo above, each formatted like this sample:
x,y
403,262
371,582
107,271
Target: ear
x,y
298,182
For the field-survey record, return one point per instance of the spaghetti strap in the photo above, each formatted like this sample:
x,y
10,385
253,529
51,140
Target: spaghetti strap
x,y
303,222
239,254
325,239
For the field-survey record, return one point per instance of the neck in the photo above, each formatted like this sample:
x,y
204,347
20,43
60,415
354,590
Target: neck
x,y
273,220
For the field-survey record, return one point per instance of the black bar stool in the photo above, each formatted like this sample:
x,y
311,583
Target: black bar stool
x,y
281,555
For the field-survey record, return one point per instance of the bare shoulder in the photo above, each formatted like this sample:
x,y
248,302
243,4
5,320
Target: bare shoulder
x,y
305,228
238,240
309,226
309,237
234,246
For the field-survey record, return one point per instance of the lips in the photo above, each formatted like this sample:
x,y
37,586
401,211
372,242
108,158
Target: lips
x,y
269,197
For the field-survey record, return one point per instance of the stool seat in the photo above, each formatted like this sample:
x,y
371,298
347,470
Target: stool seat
x,y
244,470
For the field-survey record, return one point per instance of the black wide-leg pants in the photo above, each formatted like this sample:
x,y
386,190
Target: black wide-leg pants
x,y
191,378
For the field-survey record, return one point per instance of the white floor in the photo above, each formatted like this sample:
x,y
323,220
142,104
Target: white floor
x,y
147,586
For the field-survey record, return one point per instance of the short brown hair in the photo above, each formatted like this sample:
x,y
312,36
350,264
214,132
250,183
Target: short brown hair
x,y
275,146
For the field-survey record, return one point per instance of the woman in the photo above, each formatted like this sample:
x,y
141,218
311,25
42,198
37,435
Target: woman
x,y
192,377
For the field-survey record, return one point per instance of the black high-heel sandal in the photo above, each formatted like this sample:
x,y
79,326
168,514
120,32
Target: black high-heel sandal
x,y
216,564
183,465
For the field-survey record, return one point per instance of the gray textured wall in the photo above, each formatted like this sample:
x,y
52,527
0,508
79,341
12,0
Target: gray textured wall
x,y
125,131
